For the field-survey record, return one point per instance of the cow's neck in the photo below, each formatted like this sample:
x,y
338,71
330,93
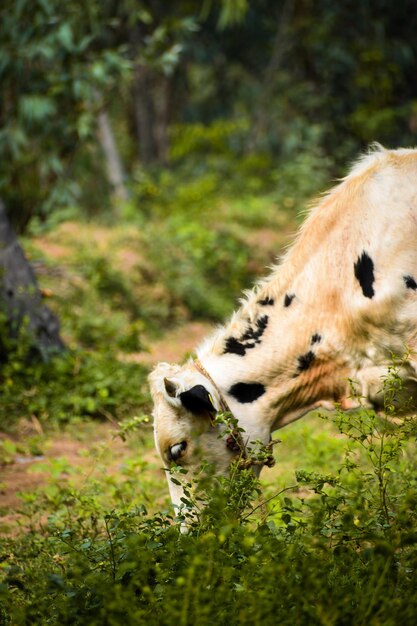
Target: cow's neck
x,y
272,366
284,400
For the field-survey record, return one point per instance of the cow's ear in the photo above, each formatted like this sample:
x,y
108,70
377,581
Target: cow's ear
x,y
170,387
197,400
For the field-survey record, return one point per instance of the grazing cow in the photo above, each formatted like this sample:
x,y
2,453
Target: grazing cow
x,y
341,302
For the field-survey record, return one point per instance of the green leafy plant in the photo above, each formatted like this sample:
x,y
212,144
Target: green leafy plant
x,y
203,266
342,548
70,387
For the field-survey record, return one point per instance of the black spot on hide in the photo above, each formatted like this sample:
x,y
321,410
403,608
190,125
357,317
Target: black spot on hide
x,y
410,283
289,297
197,400
234,346
261,325
316,338
257,332
305,360
248,340
267,301
246,392
364,273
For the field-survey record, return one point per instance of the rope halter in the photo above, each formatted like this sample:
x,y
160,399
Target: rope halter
x,y
234,441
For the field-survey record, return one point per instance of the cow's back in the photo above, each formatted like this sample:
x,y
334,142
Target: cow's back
x,y
370,255
336,307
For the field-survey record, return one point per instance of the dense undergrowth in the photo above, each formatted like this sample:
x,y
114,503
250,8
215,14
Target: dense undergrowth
x,y
337,547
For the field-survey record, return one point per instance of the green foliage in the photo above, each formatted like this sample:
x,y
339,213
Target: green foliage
x,y
203,214
60,61
112,286
308,80
102,322
341,544
302,178
47,82
203,266
8,451
70,387
219,137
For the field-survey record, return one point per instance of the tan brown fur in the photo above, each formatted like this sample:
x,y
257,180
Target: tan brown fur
x,y
373,210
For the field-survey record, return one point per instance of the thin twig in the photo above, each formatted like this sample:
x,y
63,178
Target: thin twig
x,y
113,560
269,499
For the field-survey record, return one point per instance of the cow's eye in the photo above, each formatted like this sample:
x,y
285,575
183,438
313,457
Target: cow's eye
x,y
176,451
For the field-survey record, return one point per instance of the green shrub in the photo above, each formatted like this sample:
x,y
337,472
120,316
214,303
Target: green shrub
x,y
301,177
204,266
339,548
103,307
75,385
220,137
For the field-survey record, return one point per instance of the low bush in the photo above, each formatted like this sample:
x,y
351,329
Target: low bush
x,y
337,548
203,267
70,387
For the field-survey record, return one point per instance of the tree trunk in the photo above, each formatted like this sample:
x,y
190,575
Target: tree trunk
x,y
111,153
280,47
162,102
20,298
150,97
144,112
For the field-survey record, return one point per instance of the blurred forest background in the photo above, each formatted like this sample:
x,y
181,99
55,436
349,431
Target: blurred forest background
x,y
104,103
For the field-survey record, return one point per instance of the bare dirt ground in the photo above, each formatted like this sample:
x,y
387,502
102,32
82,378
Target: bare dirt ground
x,y
18,478
175,346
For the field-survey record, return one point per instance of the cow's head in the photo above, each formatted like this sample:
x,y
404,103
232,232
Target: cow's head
x,y
185,405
